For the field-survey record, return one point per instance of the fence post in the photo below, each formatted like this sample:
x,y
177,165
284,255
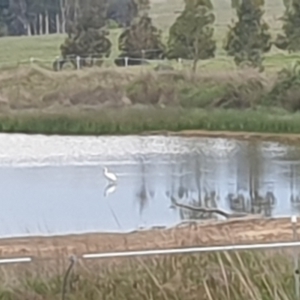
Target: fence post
x,y
31,60
296,257
78,62
73,260
126,61
179,60
143,56
57,63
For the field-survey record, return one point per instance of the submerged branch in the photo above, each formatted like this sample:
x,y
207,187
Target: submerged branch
x,y
210,210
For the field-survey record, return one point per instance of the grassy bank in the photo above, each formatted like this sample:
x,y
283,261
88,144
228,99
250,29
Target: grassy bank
x,y
135,100
219,276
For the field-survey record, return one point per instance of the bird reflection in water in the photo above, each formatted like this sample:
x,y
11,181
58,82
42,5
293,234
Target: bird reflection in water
x,y
110,189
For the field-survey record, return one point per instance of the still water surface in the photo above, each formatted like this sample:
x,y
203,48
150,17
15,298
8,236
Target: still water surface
x,y
55,184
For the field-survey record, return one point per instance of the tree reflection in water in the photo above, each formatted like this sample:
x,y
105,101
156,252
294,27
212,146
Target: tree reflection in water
x,y
142,193
196,179
209,198
294,192
250,199
253,204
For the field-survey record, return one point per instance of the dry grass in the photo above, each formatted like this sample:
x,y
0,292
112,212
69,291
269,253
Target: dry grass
x,y
217,276
35,87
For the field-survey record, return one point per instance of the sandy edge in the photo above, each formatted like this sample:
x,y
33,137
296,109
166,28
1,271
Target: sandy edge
x,y
238,231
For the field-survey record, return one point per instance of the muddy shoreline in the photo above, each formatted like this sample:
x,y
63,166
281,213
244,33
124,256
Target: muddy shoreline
x,y
288,138
242,231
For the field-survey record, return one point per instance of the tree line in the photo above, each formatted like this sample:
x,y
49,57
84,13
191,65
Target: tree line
x,y
34,17
190,37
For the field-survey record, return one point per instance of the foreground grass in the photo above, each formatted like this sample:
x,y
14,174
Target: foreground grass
x,y
218,276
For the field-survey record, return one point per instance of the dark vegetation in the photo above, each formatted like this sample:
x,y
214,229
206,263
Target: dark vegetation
x,y
141,41
249,38
191,36
21,17
88,37
290,39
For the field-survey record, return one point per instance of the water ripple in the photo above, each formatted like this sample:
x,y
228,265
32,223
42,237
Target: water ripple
x,y
39,150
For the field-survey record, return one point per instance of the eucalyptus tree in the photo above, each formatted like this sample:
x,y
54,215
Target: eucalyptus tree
x,y
249,38
191,36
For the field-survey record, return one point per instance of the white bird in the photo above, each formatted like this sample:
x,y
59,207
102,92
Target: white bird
x,y
110,176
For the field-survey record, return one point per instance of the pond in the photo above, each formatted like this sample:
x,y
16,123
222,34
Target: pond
x,y
55,185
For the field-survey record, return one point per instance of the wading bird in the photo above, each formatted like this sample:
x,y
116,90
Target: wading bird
x,y
109,176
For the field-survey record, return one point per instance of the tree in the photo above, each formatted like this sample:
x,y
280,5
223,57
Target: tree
x,y
5,20
249,38
122,11
17,23
191,36
143,6
43,16
290,40
88,39
141,41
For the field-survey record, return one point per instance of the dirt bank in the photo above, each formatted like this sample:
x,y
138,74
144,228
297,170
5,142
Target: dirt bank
x,y
214,233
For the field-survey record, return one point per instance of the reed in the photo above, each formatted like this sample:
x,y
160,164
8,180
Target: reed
x,y
136,121
218,276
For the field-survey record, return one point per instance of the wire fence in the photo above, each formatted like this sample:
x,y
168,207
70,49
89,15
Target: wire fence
x,y
222,62
77,63
138,57
158,252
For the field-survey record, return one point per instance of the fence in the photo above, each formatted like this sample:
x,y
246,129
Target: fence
x,y
125,61
57,62
172,251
